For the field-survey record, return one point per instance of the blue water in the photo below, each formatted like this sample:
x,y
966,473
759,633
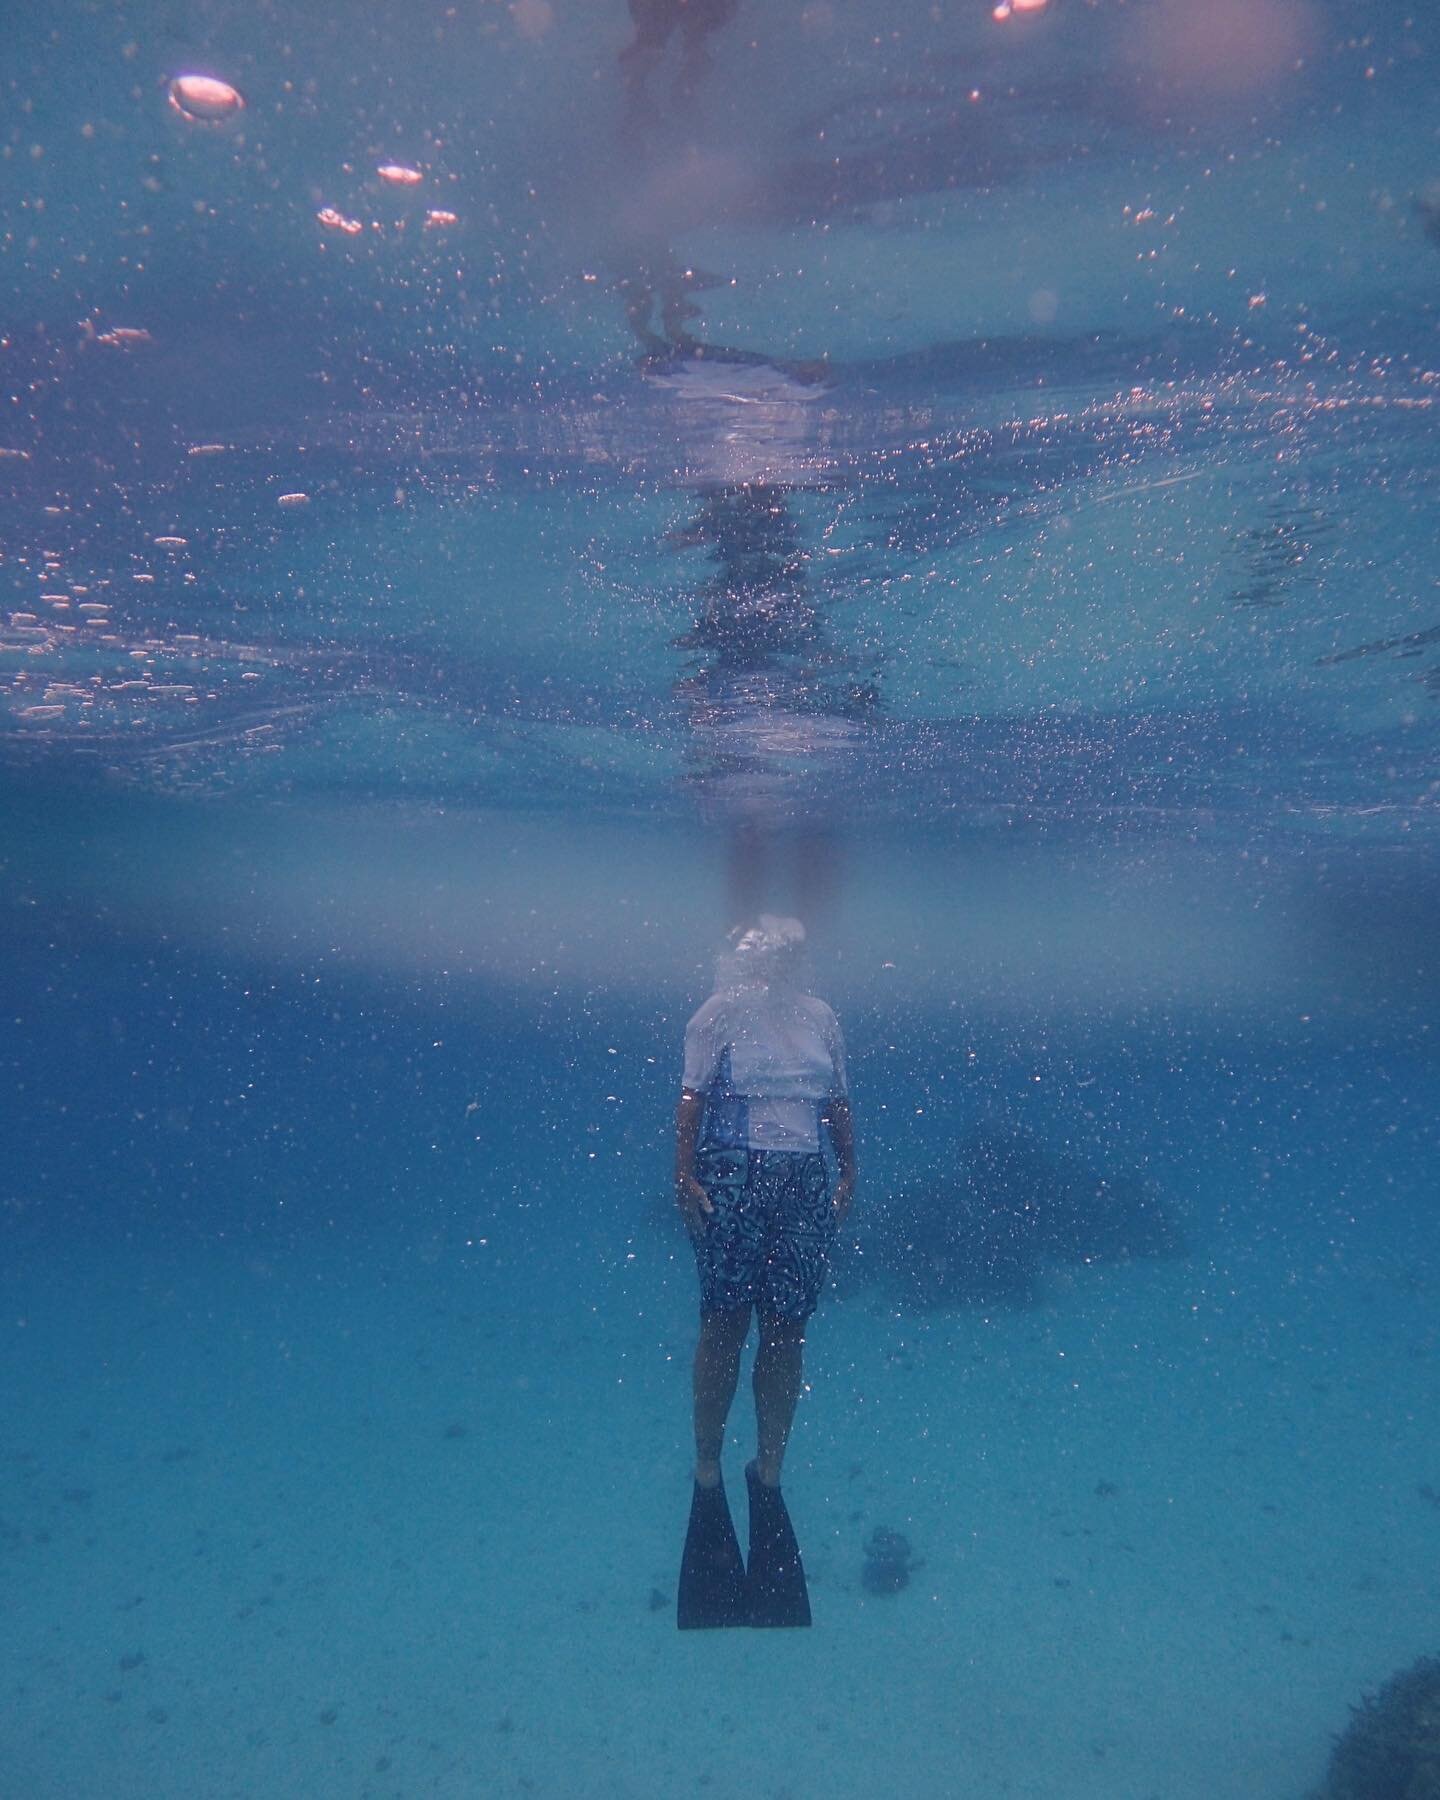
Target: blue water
x,y
967,479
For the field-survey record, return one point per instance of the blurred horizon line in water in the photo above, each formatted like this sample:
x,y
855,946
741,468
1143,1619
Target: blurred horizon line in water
x,y
1099,929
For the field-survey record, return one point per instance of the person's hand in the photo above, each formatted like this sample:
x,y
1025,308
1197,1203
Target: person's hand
x,y
840,1200
694,1203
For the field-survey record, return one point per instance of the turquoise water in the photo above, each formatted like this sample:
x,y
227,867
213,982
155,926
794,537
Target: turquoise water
x,y
967,479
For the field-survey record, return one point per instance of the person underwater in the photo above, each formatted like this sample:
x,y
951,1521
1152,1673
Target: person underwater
x,y
764,1076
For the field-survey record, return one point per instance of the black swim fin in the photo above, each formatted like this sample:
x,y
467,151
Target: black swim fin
x,y
775,1591
712,1576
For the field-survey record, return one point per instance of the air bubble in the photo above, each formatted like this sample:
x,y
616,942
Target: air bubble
x,y
205,99
337,221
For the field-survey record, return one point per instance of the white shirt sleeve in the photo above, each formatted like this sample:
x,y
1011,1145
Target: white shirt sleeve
x,y
704,1046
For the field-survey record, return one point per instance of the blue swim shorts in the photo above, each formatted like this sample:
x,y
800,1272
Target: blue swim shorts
x,y
767,1243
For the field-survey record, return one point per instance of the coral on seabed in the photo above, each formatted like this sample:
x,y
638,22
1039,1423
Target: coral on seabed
x,y
1391,1748
888,1562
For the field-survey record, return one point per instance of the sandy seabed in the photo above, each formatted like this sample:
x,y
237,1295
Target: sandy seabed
x,y
273,1530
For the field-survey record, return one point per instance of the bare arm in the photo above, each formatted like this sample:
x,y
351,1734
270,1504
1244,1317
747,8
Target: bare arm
x,y
690,1197
842,1136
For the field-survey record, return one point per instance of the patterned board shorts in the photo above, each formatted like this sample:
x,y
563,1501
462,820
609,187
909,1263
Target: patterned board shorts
x,y
767,1243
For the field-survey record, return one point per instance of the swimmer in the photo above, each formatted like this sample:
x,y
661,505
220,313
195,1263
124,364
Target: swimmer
x,y
764,1080
656,22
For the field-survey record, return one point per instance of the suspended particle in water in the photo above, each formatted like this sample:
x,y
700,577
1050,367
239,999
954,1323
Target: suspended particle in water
x,y
336,221
293,500
204,99
399,175
436,220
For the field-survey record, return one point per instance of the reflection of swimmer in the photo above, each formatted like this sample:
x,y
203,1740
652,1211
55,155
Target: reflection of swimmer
x,y
659,292
656,22
757,615
774,707
758,605
660,306
764,1085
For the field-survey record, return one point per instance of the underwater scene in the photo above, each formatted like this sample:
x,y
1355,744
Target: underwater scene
x,y
720,887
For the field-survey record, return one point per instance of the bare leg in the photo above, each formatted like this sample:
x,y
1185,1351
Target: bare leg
x,y
779,1364
717,1371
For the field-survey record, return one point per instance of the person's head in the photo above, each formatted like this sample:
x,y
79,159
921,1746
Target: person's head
x,y
766,953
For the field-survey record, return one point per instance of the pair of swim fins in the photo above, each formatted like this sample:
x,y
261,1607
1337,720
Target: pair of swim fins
x,y
717,1588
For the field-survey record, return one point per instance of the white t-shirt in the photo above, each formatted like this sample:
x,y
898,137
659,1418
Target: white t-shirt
x,y
767,1059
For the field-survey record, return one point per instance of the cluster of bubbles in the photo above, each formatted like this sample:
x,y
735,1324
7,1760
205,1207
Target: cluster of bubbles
x,y
207,100
397,176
